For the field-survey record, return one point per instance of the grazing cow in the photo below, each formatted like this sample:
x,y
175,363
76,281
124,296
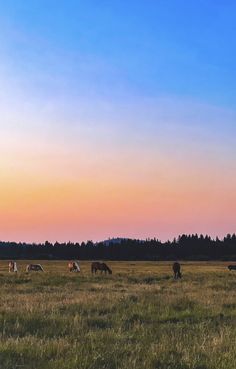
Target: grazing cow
x,y
34,267
232,267
12,267
176,270
100,266
74,266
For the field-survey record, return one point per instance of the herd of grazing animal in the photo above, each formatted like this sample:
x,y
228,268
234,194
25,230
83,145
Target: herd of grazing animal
x,y
73,266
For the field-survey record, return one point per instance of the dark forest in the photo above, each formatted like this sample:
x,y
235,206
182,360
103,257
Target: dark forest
x,y
185,247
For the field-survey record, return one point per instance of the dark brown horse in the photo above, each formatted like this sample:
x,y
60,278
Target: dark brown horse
x,y
232,267
34,267
176,270
100,266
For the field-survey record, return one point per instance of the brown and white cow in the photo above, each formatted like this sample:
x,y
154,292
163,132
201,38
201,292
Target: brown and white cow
x,y
74,266
12,267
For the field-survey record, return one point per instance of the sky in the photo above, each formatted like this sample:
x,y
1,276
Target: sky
x,y
117,119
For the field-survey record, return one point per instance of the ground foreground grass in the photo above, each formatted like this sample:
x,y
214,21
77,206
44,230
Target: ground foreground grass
x,y
137,318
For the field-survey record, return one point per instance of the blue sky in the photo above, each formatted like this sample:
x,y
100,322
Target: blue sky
x,y
129,104
148,48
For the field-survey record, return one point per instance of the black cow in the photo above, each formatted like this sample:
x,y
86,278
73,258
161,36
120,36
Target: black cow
x,y
232,267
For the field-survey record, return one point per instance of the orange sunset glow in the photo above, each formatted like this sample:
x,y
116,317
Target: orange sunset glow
x,y
104,140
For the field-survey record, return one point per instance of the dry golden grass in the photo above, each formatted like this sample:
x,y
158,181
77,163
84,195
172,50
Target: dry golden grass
x,y
138,317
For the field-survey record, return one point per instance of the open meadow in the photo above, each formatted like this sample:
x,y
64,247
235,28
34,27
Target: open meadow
x,y
138,317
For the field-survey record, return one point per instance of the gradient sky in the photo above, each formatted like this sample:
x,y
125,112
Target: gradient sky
x,y
117,118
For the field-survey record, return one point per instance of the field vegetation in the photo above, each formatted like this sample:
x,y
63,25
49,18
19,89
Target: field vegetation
x,y
138,317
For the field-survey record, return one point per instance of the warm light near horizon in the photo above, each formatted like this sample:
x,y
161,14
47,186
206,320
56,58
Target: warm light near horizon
x,y
115,124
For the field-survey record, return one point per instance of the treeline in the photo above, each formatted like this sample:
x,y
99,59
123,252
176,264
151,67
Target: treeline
x,y
185,247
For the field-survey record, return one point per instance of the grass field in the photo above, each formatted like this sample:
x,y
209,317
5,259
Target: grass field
x,y
138,317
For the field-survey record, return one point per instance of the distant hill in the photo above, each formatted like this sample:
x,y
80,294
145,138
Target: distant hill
x,y
114,241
